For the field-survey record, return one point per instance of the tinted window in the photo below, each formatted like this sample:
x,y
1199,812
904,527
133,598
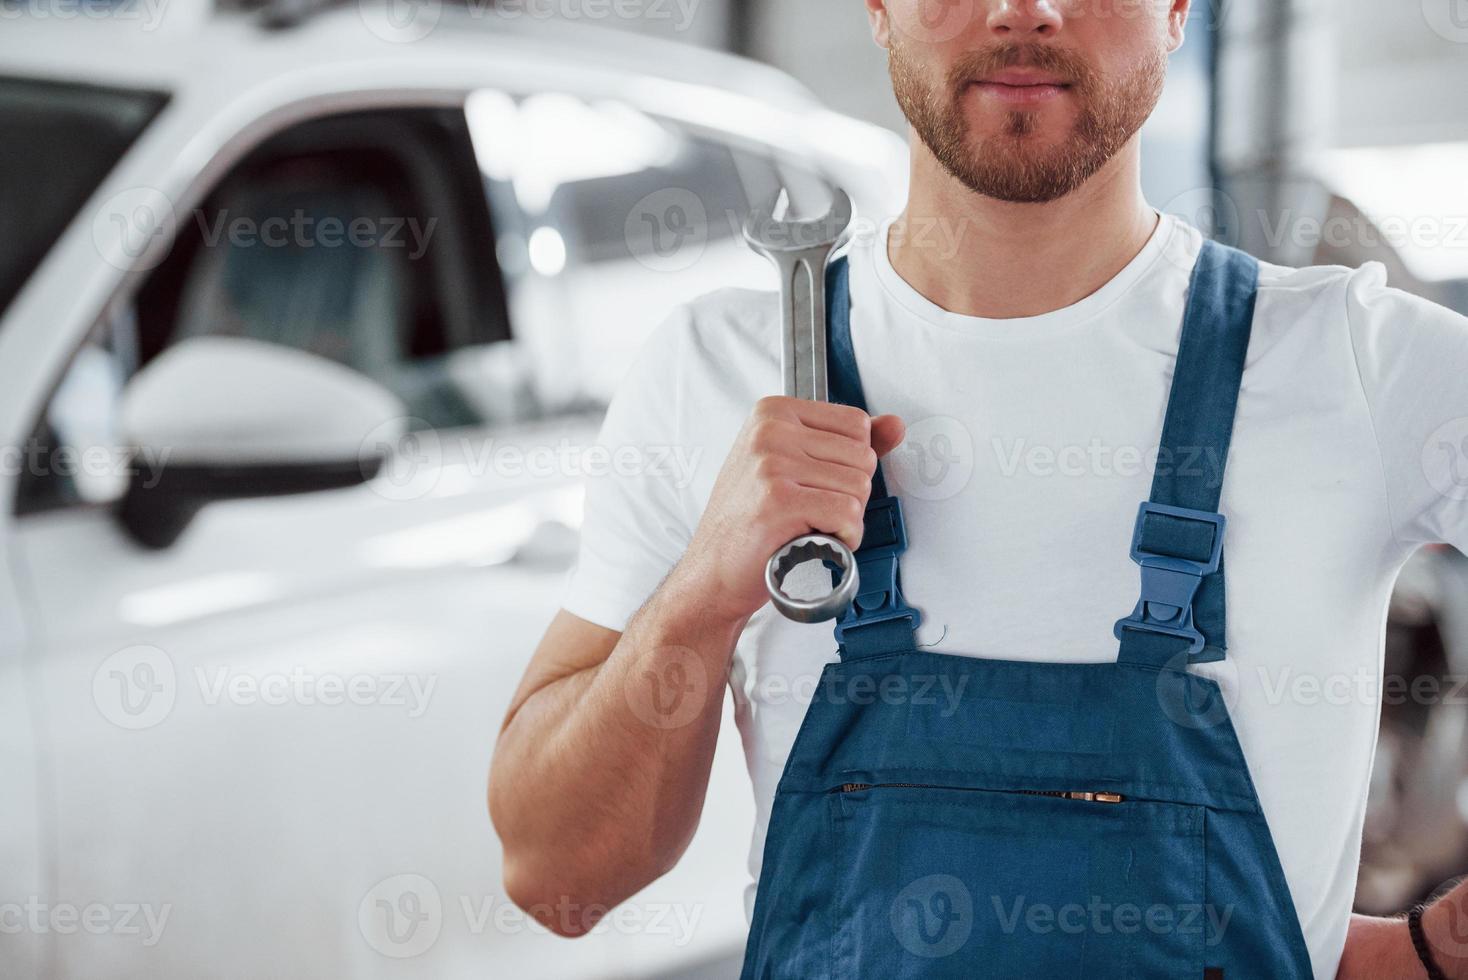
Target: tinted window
x,y
62,139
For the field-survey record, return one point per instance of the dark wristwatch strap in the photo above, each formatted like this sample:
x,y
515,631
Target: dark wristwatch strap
x,y
1419,942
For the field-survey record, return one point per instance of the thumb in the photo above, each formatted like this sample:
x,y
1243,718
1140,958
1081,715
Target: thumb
x,y
887,432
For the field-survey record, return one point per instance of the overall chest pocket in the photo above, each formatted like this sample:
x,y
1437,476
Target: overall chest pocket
x,y
938,882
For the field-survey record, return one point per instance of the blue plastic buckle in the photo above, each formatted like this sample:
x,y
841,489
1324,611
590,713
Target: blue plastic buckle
x,y
1170,583
878,598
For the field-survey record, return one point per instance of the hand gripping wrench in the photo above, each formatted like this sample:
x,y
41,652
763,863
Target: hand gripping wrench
x,y
801,250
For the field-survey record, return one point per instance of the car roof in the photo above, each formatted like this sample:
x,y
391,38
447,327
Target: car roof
x,y
177,45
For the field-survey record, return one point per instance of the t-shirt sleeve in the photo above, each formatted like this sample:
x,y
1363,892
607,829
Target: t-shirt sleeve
x,y
1412,356
636,524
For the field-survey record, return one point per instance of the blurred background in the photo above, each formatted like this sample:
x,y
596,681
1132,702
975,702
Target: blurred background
x,y
308,314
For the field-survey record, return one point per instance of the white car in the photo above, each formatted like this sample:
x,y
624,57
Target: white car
x,y
304,336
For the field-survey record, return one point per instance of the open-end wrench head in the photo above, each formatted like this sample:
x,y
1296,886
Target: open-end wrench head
x,y
765,234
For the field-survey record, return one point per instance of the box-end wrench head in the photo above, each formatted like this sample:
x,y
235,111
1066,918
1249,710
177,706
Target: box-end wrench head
x,y
800,251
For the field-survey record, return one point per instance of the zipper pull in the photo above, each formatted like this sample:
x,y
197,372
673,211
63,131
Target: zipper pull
x,y
1097,797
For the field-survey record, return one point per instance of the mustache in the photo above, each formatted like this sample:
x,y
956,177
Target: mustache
x,y
1065,65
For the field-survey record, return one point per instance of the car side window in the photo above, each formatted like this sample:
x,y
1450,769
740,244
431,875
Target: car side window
x,y
607,218
363,238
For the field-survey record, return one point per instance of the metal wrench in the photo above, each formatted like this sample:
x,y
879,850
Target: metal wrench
x,y
801,250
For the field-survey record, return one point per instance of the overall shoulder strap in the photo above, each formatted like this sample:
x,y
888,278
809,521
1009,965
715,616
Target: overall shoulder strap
x,y
1178,538
879,621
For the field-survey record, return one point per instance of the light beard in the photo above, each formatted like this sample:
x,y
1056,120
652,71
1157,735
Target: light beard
x,y
1011,165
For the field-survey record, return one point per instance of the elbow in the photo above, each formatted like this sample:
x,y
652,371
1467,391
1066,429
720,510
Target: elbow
x,y
569,890
565,912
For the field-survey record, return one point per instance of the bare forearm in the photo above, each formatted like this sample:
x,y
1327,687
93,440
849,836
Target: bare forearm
x,y
599,777
1382,948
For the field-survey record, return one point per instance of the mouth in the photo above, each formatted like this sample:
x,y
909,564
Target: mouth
x,y
1021,86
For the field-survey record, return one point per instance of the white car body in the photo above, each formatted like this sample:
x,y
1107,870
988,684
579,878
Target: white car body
x,y
262,750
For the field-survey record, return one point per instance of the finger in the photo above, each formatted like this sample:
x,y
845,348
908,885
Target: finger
x,y
819,475
843,420
888,431
829,512
831,448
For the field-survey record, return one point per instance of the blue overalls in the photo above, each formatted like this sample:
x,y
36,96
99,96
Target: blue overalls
x,y
944,816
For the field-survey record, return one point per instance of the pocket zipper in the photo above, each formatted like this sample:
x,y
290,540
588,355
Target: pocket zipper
x,y
1084,795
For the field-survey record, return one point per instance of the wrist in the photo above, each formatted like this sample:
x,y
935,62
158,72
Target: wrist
x,y
696,605
686,611
1445,933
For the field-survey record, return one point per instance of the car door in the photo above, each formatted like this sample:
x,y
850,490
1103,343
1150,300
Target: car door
x,y
234,720
266,741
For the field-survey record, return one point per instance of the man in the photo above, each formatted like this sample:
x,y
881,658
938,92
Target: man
x,y
1034,362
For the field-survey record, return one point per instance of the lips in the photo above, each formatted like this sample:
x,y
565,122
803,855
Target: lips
x,y
1021,86
1023,78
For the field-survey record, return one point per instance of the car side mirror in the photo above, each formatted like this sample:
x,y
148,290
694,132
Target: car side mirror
x,y
229,418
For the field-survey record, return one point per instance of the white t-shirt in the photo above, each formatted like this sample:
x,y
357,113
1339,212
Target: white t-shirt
x,y
1031,442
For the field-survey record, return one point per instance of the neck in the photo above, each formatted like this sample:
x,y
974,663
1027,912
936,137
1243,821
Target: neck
x,y
978,256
